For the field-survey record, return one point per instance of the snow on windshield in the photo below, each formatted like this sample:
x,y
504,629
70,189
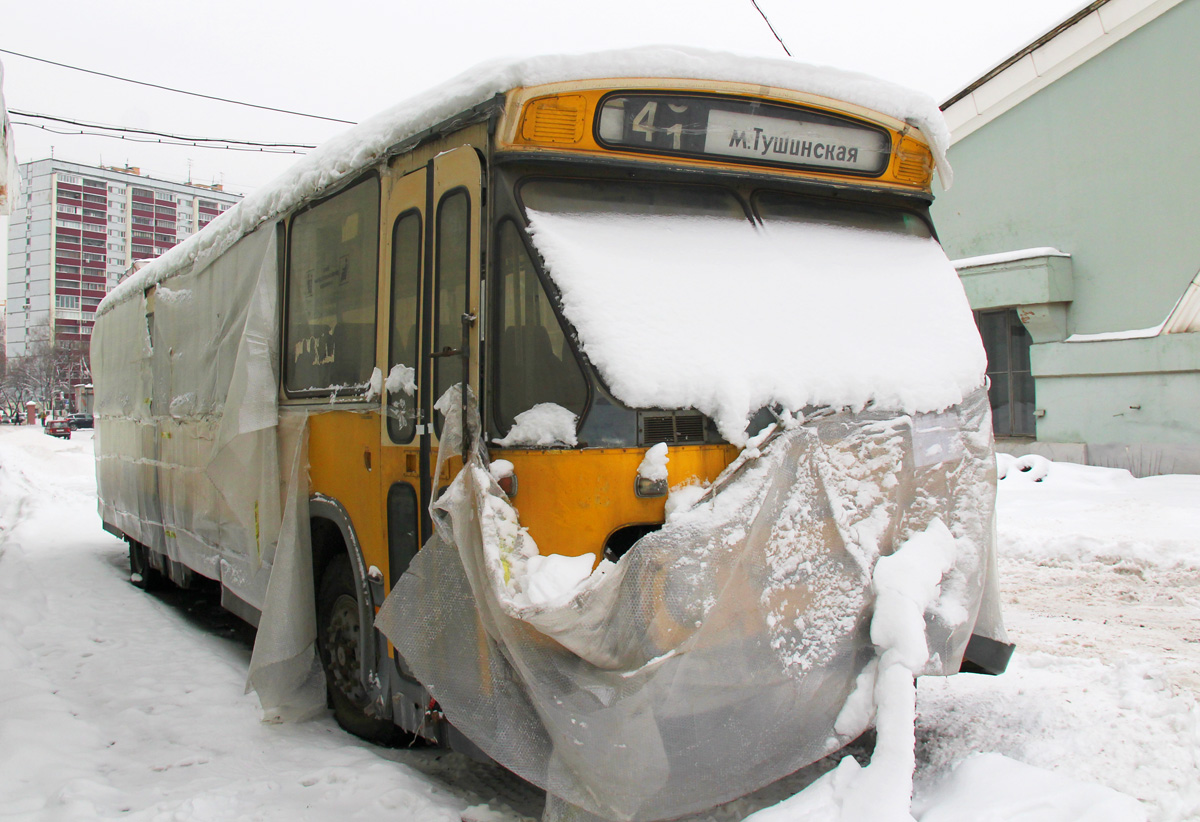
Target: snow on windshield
x,y
716,314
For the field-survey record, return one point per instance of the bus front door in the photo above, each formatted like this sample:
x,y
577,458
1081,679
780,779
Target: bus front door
x,y
430,279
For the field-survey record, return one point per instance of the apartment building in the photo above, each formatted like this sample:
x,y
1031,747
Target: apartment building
x,y
75,229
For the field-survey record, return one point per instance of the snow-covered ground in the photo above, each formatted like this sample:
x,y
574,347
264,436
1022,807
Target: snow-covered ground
x,y
114,703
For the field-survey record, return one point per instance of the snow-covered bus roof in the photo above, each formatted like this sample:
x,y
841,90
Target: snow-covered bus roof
x,y
369,142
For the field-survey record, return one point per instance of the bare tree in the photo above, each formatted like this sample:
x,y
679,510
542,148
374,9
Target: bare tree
x,y
45,374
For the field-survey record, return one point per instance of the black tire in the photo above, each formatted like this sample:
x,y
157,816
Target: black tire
x,y
141,573
338,629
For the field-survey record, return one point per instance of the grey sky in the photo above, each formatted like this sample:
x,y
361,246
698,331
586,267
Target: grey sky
x,y
356,57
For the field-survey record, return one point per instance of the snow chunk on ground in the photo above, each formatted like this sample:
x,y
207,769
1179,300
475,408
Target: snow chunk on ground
x,y
993,787
1075,514
543,425
816,314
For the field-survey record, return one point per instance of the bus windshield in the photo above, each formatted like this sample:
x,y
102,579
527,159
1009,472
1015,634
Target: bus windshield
x,y
681,301
581,196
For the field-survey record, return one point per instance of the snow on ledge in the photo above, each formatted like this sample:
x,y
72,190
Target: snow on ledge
x,y
368,142
1008,257
1135,334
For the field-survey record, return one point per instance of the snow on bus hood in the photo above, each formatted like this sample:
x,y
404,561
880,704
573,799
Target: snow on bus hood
x,y
718,315
367,143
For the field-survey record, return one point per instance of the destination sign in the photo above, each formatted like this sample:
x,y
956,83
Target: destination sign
x,y
743,131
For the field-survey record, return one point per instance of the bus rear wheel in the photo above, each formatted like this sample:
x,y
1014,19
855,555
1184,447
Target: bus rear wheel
x,y
339,628
141,573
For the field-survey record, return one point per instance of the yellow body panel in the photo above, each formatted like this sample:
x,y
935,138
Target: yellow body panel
x,y
344,462
572,500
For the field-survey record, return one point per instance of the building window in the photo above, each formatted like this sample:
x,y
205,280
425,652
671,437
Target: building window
x,y
1007,345
66,302
70,179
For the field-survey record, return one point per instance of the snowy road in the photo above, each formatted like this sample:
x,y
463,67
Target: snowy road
x,y
118,704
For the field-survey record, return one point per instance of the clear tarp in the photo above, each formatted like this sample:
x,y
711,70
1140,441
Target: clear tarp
x,y
719,653
193,460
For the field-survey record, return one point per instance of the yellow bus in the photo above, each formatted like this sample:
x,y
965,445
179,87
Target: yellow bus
x,y
646,267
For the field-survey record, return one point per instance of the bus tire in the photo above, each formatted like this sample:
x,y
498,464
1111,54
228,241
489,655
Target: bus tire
x,y
141,573
338,629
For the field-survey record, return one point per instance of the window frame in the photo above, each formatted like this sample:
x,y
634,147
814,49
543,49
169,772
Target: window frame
x,y
1011,320
496,323
349,392
412,424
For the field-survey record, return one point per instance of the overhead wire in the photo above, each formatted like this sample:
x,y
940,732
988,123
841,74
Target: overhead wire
x,y
159,141
175,90
763,14
126,129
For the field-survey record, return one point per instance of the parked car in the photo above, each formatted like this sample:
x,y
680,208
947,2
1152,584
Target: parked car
x,y
59,428
78,421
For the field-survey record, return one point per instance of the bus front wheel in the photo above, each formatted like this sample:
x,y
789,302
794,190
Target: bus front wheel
x,y
339,627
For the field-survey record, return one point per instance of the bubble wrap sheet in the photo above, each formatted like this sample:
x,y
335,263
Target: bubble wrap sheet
x,y
716,656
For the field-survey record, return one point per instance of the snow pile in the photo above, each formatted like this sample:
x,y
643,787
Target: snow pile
x,y
401,378
1081,513
528,580
846,338
374,384
654,464
1006,789
544,425
368,142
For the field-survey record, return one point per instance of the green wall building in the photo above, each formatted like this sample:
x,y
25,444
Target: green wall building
x,y
1074,222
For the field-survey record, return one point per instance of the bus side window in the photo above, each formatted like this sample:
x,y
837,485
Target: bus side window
x,y
330,332
453,241
536,363
406,276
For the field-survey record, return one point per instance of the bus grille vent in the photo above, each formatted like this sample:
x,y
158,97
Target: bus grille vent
x,y
658,429
673,428
912,168
556,120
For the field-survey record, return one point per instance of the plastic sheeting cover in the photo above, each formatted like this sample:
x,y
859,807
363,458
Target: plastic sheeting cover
x,y
717,655
193,460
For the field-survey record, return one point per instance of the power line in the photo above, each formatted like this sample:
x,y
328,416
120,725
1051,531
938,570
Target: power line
x,y
85,124
159,141
176,90
768,22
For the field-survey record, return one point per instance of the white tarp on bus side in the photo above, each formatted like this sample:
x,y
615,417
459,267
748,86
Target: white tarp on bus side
x,y
193,459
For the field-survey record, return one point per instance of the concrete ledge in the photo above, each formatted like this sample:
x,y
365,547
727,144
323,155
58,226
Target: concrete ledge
x,y
1033,280
1164,354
